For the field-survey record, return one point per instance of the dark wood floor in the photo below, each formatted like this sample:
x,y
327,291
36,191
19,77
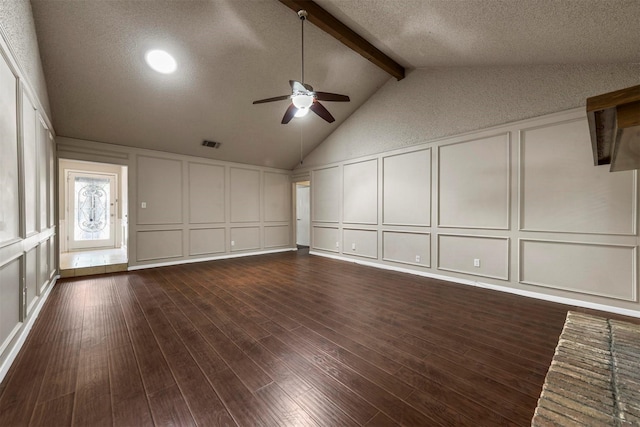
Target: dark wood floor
x,y
284,339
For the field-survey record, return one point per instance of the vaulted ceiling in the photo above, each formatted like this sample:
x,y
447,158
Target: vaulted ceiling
x,y
232,52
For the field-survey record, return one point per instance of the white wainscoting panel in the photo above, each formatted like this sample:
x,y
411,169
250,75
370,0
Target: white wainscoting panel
x,y
42,138
326,195
595,269
9,198
9,301
245,238
407,247
206,193
277,197
362,243
360,192
206,241
30,164
406,193
326,239
31,274
276,236
159,244
43,266
159,182
244,194
561,190
457,253
474,183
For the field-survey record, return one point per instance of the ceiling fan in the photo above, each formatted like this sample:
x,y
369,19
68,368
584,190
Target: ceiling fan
x,y
303,97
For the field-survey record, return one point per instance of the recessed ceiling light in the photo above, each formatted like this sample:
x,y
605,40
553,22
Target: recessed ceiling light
x,y
161,61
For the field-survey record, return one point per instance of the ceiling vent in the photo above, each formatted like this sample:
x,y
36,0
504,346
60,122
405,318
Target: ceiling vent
x,y
614,125
211,144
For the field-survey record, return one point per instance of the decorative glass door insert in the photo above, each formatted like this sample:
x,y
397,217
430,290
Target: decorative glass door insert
x,y
91,212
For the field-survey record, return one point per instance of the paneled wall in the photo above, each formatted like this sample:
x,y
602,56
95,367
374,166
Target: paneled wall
x,y
518,207
27,194
184,208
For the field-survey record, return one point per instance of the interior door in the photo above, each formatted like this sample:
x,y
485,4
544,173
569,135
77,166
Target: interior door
x,y
303,215
91,208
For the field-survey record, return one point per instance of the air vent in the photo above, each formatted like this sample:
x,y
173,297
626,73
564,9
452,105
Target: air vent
x,y
211,144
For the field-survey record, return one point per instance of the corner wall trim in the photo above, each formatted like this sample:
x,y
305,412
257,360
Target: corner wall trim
x,y
521,292
190,261
22,337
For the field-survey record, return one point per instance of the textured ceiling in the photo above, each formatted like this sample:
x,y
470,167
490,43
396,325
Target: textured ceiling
x,y
427,33
231,52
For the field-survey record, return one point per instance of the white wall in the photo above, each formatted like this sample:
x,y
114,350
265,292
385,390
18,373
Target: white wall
x,y
433,103
524,199
195,208
28,262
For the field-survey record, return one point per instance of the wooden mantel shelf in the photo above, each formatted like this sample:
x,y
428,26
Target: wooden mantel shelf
x,y
614,124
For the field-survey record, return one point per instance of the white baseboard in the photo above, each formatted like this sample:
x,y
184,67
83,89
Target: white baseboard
x,y
521,292
214,258
13,352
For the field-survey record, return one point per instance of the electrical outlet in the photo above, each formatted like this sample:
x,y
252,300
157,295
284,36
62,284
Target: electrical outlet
x,y
353,246
143,205
417,258
476,262
337,244
233,243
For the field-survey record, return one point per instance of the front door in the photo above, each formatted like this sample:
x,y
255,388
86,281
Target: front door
x,y
91,200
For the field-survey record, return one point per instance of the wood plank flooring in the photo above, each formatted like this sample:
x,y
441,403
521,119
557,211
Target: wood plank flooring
x,y
280,340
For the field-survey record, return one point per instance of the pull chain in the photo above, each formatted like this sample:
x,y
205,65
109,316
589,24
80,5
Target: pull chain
x,y
300,143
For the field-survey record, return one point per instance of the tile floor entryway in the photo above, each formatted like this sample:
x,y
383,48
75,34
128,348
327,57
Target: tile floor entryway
x,y
98,261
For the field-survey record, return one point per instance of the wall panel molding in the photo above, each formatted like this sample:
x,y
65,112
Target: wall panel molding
x,y
10,159
277,236
360,242
474,183
580,267
406,188
462,249
277,197
245,238
360,192
244,195
159,244
325,238
206,193
159,182
403,247
27,220
326,201
588,200
207,241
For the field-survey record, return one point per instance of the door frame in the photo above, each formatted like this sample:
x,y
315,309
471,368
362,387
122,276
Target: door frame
x,y
307,183
70,221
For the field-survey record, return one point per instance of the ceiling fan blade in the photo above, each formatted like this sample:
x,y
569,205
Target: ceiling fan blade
x,y
319,109
297,86
288,115
277,98
326,96
308,87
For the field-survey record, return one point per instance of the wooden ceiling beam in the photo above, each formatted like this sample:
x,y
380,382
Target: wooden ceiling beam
x,y
332,26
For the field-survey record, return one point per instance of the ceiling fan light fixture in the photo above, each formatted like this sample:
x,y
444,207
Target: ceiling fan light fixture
x,y
161,61
301,112
302,100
